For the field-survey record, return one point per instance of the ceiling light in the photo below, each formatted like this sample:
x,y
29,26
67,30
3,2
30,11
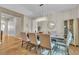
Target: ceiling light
x,y
52,24
41,19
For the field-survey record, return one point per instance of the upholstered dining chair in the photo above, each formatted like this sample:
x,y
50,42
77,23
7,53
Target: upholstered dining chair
x,y
45,44
63,47
24,38
33,41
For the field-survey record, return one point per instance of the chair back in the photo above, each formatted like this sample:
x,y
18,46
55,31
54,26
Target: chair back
x,y
23,35
45,41
69,39
32,38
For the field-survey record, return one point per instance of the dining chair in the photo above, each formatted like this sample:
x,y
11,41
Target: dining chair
x,y
45,44
33,41
64,47
25,39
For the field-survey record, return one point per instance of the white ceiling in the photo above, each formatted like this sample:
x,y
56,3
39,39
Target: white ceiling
x,y
34,10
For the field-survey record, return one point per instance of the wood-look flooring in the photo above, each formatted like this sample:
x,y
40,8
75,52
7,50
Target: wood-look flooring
x,y
74,50
12,46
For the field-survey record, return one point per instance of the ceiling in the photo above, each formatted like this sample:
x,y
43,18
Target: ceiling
x,y
34,10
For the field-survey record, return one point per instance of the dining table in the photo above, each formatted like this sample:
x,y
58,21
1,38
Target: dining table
x,y
56,38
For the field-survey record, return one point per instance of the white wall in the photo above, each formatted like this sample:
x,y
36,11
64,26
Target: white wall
x,y
34,26
27,24
44,27
30,25
59,18
65,15
59,24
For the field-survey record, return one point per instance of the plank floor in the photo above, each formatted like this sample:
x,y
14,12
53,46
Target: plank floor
x,y
12,46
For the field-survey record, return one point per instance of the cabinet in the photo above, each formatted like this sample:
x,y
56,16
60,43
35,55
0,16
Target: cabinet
x,y
73,25
68,25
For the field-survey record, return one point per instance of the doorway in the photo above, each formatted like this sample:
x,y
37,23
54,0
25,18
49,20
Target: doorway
x,y
11,23
8,26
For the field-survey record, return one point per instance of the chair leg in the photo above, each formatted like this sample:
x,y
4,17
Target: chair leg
x,y
49,53
22,44
31,45
37,49
27,44
41,50
68,51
